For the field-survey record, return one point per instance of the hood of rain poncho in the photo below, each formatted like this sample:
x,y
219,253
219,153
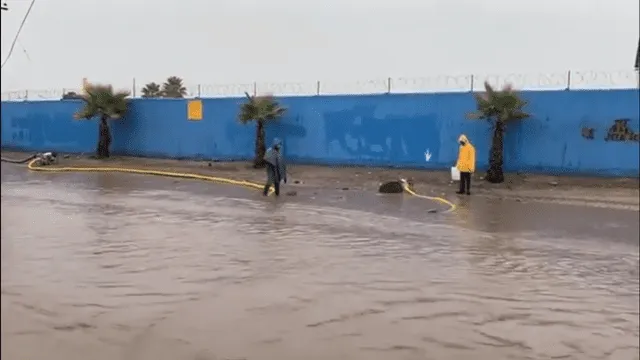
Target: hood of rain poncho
x,y
466,156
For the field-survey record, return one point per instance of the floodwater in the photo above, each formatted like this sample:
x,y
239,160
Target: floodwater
x,y
114,266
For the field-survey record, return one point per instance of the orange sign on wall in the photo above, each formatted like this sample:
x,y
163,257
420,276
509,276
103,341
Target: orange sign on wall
x,y
194,110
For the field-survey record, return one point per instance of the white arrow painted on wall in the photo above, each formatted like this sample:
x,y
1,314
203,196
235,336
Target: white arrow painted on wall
x,y
427,155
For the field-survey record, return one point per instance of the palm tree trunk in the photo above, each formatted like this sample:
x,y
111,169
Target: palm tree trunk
x,y
495,174
104,139
261,149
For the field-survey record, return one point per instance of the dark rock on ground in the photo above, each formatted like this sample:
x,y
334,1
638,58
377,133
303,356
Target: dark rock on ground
x,y
391,187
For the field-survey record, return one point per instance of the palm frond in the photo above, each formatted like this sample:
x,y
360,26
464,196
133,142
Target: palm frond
x,y
173,87
151,90
503,105
476,115
101,100
248,112
174,80
260,108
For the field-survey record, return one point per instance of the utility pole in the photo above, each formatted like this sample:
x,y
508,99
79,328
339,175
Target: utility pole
x,y
637,65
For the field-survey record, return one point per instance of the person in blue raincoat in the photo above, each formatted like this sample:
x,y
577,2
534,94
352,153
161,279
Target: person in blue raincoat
x,y
276,168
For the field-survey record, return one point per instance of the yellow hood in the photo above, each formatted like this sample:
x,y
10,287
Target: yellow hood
x,y
463,138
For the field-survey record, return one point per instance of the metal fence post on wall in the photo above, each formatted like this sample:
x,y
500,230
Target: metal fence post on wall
x,y
26,94
389,85
133,88
255,88
318,87
568,80
472,83
199,90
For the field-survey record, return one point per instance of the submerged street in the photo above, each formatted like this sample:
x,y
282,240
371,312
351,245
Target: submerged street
x,y
116,266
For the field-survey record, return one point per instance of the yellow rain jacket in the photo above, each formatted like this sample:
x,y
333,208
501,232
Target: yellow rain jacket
x,y
466,156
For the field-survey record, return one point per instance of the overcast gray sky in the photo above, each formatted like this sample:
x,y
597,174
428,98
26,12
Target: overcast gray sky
x,y
216,41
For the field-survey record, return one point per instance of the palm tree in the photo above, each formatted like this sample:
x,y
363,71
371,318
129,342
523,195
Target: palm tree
x,y
500,107
173,88
151,90
261,109
103,102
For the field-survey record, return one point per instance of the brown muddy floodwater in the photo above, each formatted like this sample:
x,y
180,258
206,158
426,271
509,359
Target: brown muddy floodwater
x,y
110,267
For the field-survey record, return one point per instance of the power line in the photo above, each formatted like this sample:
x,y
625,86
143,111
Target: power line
x,y
24,50
15,39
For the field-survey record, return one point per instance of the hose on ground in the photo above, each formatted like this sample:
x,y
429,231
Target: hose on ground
x,y
451,205
36,165
37,162
22,161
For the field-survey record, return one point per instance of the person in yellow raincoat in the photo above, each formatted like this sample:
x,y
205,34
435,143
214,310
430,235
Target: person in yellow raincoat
x,y
466,164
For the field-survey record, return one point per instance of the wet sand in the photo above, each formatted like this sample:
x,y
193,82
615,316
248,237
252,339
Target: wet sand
x,y
116,266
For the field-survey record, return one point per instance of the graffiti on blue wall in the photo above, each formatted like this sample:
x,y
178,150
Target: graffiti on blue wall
x,y
620,131
569,131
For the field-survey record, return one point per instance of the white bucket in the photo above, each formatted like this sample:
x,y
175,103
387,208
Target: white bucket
x,y
455,174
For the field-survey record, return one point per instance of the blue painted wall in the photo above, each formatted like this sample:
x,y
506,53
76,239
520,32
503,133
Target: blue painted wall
x,y
382,130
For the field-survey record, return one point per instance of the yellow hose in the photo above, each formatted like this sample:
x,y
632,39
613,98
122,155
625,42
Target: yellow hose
x,y
451,205
33,166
